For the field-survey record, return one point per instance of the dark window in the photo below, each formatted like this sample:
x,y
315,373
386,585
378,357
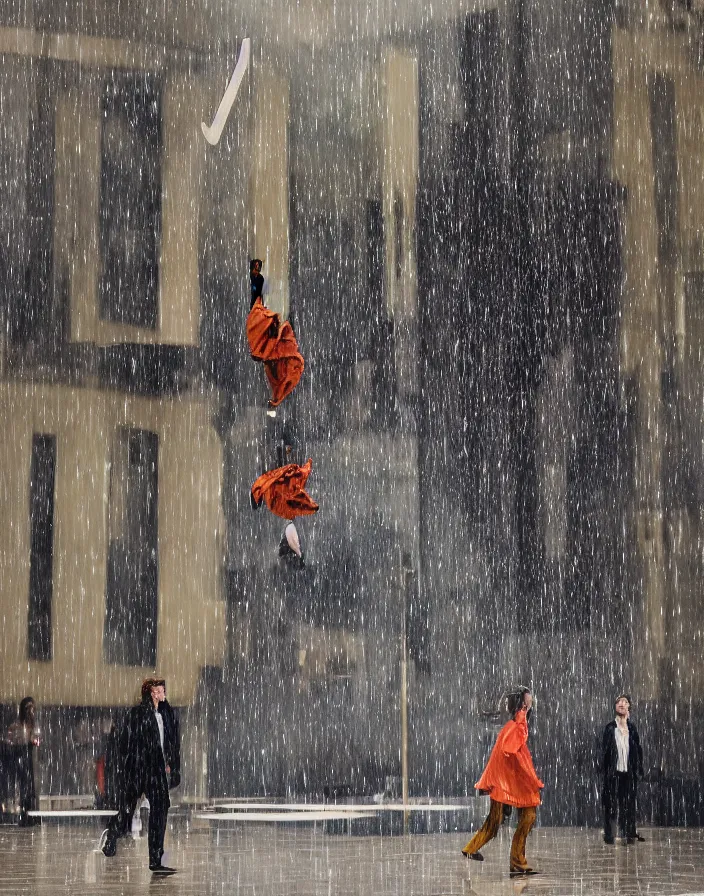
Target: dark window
x,y
41,562
398,234
30,311
481,82
373,305
376,268
417,622
131,593
130,201
379,328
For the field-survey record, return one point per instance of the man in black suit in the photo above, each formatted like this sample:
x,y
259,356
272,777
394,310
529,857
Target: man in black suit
x,y
622,766
151,763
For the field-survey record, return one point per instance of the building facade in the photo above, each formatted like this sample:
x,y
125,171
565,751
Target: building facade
x,y
483,222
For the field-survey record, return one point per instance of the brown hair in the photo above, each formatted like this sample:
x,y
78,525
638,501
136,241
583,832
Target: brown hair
x,y
24,709
514,701
150,683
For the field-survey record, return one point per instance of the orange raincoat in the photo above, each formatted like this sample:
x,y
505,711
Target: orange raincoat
x,y
274,343
282,490
509,776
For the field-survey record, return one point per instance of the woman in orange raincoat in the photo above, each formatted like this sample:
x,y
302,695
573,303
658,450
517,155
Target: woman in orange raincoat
x,y
283,491
510,780
272,342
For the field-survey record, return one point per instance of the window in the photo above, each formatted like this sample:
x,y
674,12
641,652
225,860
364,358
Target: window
x,y
41,556
417,620
376,268
30,308
130,201
131,593
398,235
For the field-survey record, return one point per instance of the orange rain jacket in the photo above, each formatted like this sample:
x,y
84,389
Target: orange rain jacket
x,y
509,776
274,343
282,490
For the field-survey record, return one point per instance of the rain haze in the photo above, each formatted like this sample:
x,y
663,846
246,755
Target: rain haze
x,y
484,223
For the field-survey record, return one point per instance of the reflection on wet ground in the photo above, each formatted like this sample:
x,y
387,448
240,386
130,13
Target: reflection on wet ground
x,y
303,860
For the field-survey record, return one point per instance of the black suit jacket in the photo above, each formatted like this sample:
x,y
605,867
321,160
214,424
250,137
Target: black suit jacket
x,y
610,752
144,764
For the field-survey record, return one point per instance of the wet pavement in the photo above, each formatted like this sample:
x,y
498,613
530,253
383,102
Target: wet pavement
x,y
304,859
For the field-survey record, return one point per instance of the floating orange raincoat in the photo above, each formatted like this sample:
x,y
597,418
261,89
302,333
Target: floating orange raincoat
x,y
509,776
282,490
274,343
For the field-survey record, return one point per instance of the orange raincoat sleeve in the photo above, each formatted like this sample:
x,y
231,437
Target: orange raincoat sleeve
x,y
275,344
285,368
283,492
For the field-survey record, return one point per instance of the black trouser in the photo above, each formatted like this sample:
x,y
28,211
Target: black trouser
x,y
119,824
158,811
21,768
620,802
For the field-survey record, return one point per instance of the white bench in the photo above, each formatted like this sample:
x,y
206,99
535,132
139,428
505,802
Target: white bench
x,y
65,801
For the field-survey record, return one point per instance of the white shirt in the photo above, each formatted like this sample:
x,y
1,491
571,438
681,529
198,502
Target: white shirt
x,y
160,725
622,746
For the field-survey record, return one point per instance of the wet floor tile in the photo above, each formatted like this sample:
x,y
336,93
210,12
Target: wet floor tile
x,y
304,860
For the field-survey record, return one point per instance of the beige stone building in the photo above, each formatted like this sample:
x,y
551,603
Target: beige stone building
x,y
657,157
124,391
59,377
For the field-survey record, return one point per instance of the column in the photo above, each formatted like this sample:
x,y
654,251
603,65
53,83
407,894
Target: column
x,y
269,192
78,179
182,175
641,358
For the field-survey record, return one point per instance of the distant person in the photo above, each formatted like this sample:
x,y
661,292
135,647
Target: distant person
x,y
22,738
6,764
150,765
257,280
83,747
112,767
622,766
107,766
510,780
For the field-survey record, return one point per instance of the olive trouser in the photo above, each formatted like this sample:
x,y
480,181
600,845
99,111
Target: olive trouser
x,y
487,832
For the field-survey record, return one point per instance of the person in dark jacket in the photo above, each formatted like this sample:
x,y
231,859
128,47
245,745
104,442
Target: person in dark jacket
x,y
22,738
257,280
108,793
150,764
622,766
